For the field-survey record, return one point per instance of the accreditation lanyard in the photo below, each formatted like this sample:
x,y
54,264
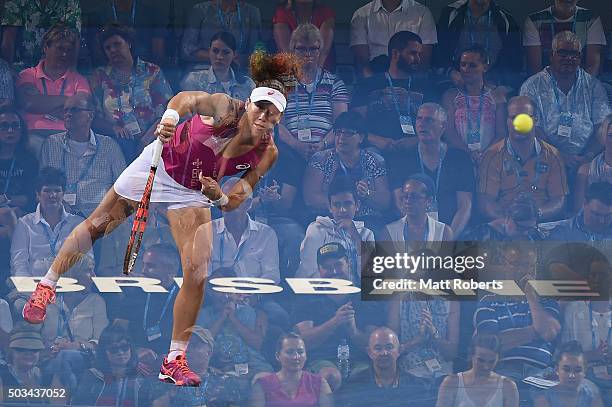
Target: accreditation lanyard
x,y
518,166
350,248
593,326
345,169
552,23
52,238
62,320
406,234
226,26
396,102
163,311
472,26
86,168
7,183
558,98
438,171
44,86
470,128
311,96
130,96
132,17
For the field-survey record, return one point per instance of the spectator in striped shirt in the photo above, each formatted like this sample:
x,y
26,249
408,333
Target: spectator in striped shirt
x,y
314,100
527,326
92,162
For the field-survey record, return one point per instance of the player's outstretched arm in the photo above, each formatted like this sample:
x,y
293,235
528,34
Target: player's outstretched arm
x,y
216,105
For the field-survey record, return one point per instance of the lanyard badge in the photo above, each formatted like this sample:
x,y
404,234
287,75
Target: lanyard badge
x,y
405,119
407,126
565,125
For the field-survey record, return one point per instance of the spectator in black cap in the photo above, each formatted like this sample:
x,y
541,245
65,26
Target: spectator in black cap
x,y
325,321
349,158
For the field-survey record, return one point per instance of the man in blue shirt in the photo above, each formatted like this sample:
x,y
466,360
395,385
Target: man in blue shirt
x,y
594,221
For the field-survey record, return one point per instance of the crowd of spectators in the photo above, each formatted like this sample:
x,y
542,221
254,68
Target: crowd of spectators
x,y
416,146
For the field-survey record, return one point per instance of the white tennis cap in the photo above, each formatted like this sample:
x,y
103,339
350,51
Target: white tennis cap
x,y
270,95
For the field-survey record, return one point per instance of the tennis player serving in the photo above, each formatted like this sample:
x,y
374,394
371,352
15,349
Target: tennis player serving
x,y
223,137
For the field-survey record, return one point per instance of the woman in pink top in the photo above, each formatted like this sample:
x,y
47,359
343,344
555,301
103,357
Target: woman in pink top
x,y
292,386
223,137
43,89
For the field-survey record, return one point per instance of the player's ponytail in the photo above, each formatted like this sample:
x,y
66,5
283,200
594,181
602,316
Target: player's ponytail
x,y
269,70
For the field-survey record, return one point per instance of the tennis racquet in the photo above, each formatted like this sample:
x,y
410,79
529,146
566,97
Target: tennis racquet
x,y
142,213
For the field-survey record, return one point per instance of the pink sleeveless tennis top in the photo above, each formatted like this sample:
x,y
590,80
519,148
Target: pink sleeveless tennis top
x,y
195,148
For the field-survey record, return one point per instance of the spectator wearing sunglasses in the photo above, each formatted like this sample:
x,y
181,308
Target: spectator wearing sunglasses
x,y
117,376
570,103
18,165
92,162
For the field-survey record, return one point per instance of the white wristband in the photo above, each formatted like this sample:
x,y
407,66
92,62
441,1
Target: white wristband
x,y
171,114
224,200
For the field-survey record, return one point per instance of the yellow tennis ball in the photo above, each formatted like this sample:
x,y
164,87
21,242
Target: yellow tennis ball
x,y
523,123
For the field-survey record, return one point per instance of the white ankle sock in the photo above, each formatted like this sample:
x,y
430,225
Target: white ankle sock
x,y
50,278
176,348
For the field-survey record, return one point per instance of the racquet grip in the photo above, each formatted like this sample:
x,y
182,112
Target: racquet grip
x,y
157,153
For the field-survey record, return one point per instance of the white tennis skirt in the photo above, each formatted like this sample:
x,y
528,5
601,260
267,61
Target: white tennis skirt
x,y
132,181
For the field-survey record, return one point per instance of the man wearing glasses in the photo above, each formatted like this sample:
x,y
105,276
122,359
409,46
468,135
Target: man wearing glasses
x,y
570,103
92,162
